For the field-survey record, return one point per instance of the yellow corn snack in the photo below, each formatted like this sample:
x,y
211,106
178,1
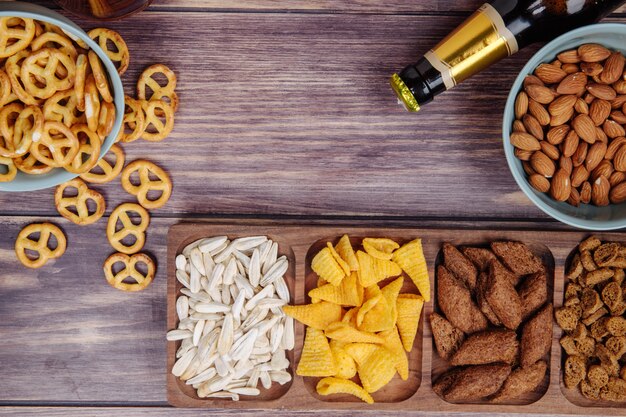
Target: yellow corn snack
x,y
317,358
345,332
325,265
332,385
409,311
410,258
317,316
372,270
344,249
343,264
380,248
394,345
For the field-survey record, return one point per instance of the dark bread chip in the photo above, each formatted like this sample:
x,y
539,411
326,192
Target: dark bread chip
x,y
479,256
521,381
476,382
536,336
481,300
517,257
447,337
491,346
455,300
459,265
445,381
533,293
502,297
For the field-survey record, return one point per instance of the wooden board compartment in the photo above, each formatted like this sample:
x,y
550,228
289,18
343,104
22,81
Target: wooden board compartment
x,y
302,238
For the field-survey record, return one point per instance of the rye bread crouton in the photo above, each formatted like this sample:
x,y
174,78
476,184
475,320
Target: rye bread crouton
x,y
567,318
521,381
536,336
479,256
614,390
481,300
455,300
575,371
569,345
616,326
597,376
502,297
533,293
517,257
589,391
476,382
490,346
447,337
459,265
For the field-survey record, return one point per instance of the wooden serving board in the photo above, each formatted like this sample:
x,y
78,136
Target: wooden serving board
x,y
416,394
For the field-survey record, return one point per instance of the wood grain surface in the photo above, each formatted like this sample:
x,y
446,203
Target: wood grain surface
x,y
286,115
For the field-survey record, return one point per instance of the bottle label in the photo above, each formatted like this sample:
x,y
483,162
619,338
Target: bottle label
x,y
477,43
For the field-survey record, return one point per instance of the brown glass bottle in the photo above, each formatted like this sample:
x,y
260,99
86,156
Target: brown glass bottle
x,y
496,30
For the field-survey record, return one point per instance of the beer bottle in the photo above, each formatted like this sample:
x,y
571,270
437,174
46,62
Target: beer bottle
x,y
496,30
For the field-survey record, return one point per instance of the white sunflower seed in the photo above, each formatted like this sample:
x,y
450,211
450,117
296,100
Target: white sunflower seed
x,y
194,282
229,272
197,332
254,271
288,341
202,376
246,391
226,336
281,377
276,336
181,262
223,394
264,293
246,243
277,270
224,254
211,244
282,290
197,261
187,249
216,276
185,345
182,277
226,295
264,250
212,307
182,307
173,335
181,364
266,380
271,258
208,264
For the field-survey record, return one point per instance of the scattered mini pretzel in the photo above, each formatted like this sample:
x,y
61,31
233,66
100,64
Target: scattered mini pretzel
x,y
156,129
14,37
79,202
145,169
134,120
105,171
130,271
147,83
39,245
121,214
121,57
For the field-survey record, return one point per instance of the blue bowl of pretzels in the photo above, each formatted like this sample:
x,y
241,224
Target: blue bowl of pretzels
x,y
61,98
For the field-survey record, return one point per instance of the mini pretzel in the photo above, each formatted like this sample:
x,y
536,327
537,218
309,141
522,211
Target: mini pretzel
x,y
134,120
99,76
39,245
88,150
15,35
105,171
27,129
144,169
44,67
13,67
121,213
92,103
45,39
6,92
121,56
9,171
82,216
79,81
106,120
60,141
130,271
63,107
8,116
147,82
155,129
28,164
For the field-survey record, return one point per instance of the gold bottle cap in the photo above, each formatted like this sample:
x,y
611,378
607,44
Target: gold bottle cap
x,y
405,97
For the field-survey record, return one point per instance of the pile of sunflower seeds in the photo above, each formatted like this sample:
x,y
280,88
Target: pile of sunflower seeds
x,y
233,332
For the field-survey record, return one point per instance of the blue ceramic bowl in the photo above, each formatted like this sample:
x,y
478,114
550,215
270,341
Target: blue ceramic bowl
x,y
26,182
586,216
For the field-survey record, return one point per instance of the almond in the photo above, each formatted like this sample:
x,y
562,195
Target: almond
x,y
589,98
614,146
591,68
585,193
542,94
602,91
600,191
550,150
540,112
581,106
525,141
570,144
556,63
620,86
572,84
613,68
579,175
562,118
581,154
560,186
542,164
618,102
550,73
595,155
617,177
618,116
562,104
569,57
601,136
599,111
570,68
618,193
613,129
522,155
565,164
521,105
619,160
584,127
592,52
539,183
556,134
574,198
527,168
532,126
605,167
531,79
518,126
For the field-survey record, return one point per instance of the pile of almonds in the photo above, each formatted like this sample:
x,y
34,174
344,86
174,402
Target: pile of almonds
x,y
569,127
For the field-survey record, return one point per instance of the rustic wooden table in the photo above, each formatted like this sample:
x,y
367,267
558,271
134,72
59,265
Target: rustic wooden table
x,y
285,115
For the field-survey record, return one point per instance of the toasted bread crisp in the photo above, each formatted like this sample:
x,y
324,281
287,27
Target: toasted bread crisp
x,y
536,337
456,302
502,297
445,381
447,337
597,376
490,346
517,257
575,370
459,265
567,318
521,381
481,300
533,293
615,390
479,256
476,382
